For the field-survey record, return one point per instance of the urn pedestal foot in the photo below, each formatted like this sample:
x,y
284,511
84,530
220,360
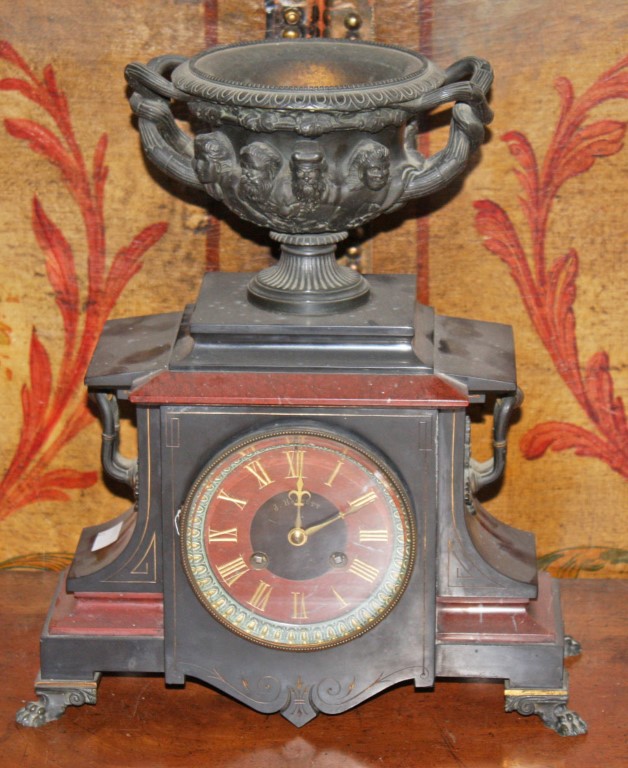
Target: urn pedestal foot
x,y
308,280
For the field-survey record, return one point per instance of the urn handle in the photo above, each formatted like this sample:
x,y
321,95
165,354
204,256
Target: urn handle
x,y
165,144
470,114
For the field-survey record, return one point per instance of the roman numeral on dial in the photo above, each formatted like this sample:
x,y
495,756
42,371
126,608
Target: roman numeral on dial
x,y
258,471
241,503
334,474
362,501
296,461
261,596
230,572
299,610
364,570
373,534
229,534
339,597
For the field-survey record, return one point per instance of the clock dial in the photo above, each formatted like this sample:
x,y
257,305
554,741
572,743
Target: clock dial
x,y
298,538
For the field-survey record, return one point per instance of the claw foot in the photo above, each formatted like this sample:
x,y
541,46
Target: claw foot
x,y
570,723
55,696
32,715
550,706
571,647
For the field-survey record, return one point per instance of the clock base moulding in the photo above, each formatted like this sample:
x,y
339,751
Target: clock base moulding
x,y
473,640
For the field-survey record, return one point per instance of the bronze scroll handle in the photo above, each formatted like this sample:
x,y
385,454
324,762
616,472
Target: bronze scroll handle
x,y
485,473
165,144
470,114
115,465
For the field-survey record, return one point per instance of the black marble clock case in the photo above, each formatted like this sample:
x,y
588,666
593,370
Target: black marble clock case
x,y
391,374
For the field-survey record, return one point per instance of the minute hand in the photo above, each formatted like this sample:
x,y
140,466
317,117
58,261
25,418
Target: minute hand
x,y
354,506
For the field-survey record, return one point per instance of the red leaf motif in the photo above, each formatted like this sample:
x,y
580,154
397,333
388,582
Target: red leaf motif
x,y
565,92
59,267
50,81
523,153
50,485
615,87
76,422
100,170
54,416
8,53
58,106
562,280
613,84
68,478
548,287
601,139
561,294
561,436
127,261
35,399
42,141
5,334
609,410
36,495
500,237
21,86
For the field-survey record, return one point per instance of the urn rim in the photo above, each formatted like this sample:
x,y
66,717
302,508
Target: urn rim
x,y
392,75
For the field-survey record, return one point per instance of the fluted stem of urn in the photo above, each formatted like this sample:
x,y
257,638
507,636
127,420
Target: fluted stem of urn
x,y
308,279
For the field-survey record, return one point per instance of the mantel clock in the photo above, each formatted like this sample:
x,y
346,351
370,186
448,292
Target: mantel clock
x,y
306,530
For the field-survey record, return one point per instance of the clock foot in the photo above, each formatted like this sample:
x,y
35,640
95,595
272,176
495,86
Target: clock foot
x,y
54,697
571,647
549,705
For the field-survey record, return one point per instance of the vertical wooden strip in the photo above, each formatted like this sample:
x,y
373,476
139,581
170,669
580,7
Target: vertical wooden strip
x,y
316,16
210,22
212,234
426,18
394,235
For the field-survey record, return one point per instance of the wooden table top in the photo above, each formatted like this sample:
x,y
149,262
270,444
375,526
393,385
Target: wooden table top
x,y
138,722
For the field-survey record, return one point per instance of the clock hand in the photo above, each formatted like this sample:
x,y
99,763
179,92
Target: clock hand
x,y
354,506
298,498
314,528
298,536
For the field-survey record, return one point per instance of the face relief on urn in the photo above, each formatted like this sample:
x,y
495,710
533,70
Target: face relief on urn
x,y
309,139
